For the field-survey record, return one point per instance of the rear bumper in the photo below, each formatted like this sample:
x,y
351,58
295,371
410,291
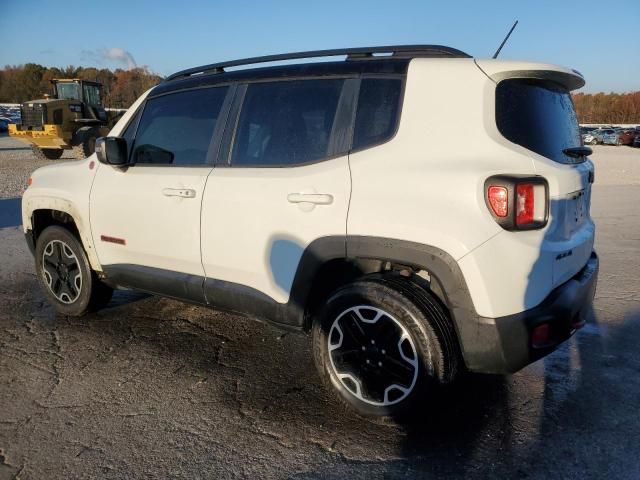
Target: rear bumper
x,y
507,341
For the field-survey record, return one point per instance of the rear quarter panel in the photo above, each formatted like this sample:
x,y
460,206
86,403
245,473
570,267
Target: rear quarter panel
x,y
426,184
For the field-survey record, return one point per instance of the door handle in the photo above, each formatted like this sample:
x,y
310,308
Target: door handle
x,y
179,192
315,198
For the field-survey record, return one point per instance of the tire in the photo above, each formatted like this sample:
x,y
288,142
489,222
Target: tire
x,y
382,344
86,143
47,153
65,274
594,142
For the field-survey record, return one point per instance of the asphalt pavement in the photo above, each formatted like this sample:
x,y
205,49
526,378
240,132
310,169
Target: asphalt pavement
x,y
153,388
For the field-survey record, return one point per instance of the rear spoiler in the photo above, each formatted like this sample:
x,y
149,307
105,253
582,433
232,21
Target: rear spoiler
x,y
498,70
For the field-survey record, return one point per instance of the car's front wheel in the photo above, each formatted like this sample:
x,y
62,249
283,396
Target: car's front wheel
x,y
383,343
64,272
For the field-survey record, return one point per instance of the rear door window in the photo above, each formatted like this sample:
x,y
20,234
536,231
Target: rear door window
x,y
176,129
286,123
539,116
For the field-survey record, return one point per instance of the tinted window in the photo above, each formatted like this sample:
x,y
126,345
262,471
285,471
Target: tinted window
x,y
286,123
177,128
377,114
539,116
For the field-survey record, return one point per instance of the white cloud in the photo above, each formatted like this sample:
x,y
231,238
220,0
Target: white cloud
x,y
119,55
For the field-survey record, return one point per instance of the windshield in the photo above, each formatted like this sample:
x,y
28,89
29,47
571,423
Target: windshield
x,y
69,91
91,94
539,116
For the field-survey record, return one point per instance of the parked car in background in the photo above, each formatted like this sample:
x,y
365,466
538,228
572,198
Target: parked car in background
x,y
4,123
589,139
600,133
636,140
619,136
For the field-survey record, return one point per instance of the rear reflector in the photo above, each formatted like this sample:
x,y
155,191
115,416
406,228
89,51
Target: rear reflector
x,y
540,336
499,200
524,203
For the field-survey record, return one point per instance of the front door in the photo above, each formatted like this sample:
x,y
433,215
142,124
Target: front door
x,y
145,219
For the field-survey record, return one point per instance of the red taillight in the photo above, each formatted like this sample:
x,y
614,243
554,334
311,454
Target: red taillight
x,y
525,203
499,200
517,202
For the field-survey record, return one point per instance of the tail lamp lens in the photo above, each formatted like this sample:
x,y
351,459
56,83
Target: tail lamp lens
x,y
499,200
525,204
518,202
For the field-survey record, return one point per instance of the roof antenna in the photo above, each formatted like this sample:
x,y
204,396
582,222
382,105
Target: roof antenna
x,y
495,55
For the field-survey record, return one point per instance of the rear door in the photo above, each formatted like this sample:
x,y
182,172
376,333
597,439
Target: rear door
x,y
284,184
145,219
539,115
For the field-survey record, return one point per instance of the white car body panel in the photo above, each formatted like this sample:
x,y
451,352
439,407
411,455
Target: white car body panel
x,y
160,231
252,235
64,187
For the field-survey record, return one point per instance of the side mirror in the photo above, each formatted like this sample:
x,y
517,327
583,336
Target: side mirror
x,y
112,151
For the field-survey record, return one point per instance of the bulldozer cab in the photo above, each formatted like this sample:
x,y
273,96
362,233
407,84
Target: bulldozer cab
x,y
82,90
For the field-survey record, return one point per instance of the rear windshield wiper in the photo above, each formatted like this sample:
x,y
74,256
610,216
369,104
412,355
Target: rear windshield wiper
x,y
577,152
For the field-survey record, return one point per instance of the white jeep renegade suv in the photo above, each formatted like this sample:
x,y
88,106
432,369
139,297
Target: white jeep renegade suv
x,y
420,213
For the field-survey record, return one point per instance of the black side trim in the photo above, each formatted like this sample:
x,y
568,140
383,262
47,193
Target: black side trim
x,y
229,296
181,286
245,300
31,241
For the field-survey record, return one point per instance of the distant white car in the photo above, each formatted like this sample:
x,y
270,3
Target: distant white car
x,y
338,198
589,139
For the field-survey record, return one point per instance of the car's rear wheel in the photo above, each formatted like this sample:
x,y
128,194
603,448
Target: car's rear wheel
x,y
382,343
65,274
47,153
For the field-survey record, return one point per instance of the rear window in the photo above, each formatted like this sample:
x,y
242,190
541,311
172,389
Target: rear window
x,y
377,115
538,116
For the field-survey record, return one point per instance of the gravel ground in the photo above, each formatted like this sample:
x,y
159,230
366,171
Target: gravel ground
x,y
153,388
17,163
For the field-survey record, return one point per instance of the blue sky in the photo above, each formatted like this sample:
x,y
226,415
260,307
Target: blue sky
x,y
600,39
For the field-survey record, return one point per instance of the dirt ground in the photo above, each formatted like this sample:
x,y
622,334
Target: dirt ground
x,y
153,388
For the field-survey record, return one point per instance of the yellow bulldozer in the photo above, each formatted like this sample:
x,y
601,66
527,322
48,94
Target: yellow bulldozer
x,y
71,119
